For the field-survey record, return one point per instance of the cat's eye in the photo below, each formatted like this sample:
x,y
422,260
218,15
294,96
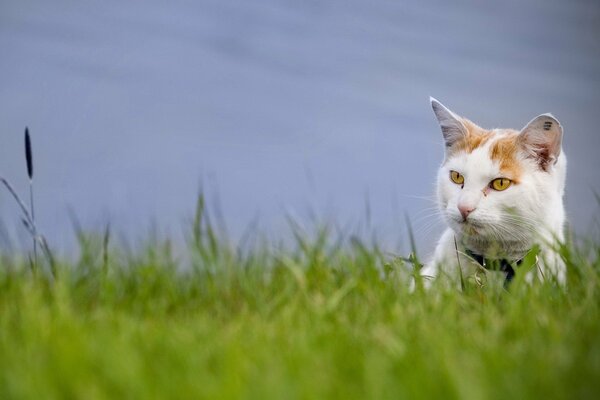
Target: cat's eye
x,y
500,184
457,178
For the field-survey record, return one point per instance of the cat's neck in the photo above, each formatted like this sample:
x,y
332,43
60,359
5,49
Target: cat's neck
x,y
493,248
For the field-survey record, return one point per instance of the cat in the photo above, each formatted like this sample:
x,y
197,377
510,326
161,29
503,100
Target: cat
x,y
501,193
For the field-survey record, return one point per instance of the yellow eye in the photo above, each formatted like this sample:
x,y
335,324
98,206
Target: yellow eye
x,y
457,178
500,184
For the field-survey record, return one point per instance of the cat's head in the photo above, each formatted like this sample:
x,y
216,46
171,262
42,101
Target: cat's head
x,y
500,185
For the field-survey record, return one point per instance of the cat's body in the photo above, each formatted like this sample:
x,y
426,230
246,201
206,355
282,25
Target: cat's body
x,y
501,193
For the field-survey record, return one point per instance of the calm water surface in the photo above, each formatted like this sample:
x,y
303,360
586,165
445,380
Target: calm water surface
x,y
278,107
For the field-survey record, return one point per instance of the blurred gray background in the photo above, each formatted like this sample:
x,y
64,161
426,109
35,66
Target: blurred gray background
x,y
278,107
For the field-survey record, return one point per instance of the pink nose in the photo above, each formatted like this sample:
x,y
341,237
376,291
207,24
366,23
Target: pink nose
x,y
465,211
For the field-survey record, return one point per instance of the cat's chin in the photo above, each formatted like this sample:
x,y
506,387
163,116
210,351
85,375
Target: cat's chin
x,y
467,228
472,229
482,240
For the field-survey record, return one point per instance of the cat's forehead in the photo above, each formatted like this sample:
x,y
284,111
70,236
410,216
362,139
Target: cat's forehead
x,y
494,151
477,137
474,163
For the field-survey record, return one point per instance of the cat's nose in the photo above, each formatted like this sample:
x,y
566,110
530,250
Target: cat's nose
x,y
465,210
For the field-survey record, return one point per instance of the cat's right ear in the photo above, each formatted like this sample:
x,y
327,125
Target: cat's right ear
x,y
452,127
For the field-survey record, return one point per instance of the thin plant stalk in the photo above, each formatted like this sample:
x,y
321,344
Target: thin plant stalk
x,y
27,217
33,218
29,159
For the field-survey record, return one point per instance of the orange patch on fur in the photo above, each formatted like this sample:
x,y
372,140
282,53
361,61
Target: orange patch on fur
x,y
504,151
475,137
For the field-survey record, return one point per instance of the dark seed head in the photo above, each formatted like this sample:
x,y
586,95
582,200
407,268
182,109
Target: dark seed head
x,y
28,154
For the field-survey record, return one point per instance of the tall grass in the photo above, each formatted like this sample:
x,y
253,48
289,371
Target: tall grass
x,y
327,317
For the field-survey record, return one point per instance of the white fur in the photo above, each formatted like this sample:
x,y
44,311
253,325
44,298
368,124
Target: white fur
x,y
504,224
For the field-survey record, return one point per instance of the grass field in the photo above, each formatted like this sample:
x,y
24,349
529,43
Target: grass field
x,y
325,318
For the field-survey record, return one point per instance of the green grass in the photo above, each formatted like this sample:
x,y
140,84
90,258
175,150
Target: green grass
x,y
321,319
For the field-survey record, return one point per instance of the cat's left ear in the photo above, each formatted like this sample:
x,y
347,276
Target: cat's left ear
x,y
541,139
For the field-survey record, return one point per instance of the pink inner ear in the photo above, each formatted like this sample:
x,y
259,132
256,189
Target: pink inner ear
x,y
541,139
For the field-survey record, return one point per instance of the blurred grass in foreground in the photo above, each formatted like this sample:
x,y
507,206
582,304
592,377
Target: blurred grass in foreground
x,y
326,318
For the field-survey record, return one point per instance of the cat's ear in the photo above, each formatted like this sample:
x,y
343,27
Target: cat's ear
x,y
452,127
541,139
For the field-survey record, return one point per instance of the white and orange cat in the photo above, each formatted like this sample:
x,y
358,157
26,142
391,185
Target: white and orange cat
x,y
501,193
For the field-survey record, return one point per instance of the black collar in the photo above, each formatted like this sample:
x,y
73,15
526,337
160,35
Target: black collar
x,y
503,265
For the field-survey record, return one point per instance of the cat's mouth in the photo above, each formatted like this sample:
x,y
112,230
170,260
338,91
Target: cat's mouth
x,y
470,227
